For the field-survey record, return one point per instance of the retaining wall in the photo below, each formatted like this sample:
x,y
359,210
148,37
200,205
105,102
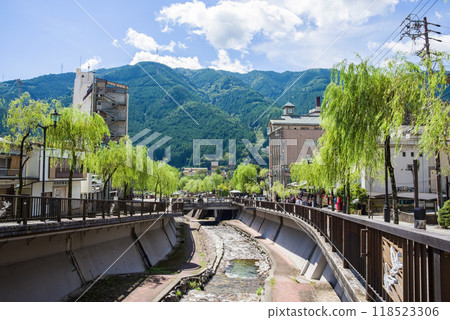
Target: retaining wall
x,y
295,240
47,267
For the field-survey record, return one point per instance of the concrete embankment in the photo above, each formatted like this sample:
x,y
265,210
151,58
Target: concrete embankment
x,y
46,266
303,245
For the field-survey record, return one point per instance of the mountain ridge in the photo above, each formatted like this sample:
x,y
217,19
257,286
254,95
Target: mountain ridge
x,y
224,104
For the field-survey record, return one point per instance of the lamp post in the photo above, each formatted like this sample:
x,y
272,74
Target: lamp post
x,y
386,209
55,118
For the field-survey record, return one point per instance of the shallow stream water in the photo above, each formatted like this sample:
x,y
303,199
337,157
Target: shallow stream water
x,y
241,272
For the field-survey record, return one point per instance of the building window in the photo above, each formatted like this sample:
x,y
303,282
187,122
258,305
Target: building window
x,y
412,154
404,154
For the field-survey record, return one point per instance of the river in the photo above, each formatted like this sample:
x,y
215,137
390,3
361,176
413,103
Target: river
x,y
241,273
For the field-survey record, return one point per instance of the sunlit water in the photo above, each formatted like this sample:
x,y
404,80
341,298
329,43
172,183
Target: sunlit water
x,y
241,272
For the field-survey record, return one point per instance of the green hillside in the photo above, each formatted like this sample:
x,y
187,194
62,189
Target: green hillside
x,y
224,104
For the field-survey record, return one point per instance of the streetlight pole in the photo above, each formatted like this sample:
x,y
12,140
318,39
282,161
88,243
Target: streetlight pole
x,y
55,118
386,209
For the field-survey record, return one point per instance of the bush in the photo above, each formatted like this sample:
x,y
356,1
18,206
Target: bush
x,y
357,192
444,215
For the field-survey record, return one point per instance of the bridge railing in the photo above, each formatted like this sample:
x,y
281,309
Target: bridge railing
x,y
395,263
26,208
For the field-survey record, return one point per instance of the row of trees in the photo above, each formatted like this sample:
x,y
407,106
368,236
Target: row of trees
x,y
364,112
78,138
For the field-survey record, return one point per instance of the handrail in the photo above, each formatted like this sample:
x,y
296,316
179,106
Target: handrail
x,y
22,208
368,247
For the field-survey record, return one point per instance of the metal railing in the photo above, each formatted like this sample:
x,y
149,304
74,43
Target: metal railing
x,y
362,246
26,208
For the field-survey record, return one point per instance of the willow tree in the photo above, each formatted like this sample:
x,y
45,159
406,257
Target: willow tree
x,y
169,178
432,120
245,178
350,118
22,122
365,107
126,174
76,134
106,161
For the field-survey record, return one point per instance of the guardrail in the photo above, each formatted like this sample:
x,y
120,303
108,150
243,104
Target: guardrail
x,y
395,263
25,208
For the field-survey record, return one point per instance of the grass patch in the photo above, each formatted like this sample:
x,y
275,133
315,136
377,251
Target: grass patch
x,y
272,282
113,288
293,279
259,291
161,270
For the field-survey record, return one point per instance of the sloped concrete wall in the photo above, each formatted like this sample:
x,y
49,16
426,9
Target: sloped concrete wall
x,y
292,240
96,251
36,270
48,267
154,241
270,226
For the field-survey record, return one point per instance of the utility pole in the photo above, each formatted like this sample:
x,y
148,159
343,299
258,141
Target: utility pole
x,y
413,30
19,83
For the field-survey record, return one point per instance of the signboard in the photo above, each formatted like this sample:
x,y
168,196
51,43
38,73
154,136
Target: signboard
x,y
392,270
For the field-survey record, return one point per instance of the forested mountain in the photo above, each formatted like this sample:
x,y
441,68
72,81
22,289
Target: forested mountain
x,y
225,105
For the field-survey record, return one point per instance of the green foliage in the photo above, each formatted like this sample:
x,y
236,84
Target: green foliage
x,y
357,192
429,120
76,134
223,190
244,178
22,122
444,215
282,191
223,103
106,161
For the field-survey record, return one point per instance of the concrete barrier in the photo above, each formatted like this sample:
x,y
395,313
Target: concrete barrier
x,y
47,267
296,241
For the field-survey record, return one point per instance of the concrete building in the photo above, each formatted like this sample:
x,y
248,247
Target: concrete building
x,y
56,176
402,161
194,171
292,138
104,97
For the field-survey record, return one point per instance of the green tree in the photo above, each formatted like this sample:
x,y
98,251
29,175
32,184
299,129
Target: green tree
x,y
22,120
77,133
362,106
430,121
245,177
106,161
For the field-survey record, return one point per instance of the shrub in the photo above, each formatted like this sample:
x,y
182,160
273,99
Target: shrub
x,y
444,215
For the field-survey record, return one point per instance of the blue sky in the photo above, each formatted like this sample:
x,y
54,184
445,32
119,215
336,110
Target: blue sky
x,y
241,35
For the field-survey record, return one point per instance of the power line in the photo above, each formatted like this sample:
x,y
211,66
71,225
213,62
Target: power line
x,y
429,9
372,57
414,26
13,85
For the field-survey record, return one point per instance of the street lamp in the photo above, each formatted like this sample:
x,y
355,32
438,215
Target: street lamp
x,y
386,209
55,118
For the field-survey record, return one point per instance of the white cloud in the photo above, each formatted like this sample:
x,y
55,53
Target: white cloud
x,y
225,63
411,47
91,63
232,24
286,32
146,42
438,15
173,62
372,45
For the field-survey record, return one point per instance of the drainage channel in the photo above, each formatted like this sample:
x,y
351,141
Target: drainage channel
x,y
242,270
